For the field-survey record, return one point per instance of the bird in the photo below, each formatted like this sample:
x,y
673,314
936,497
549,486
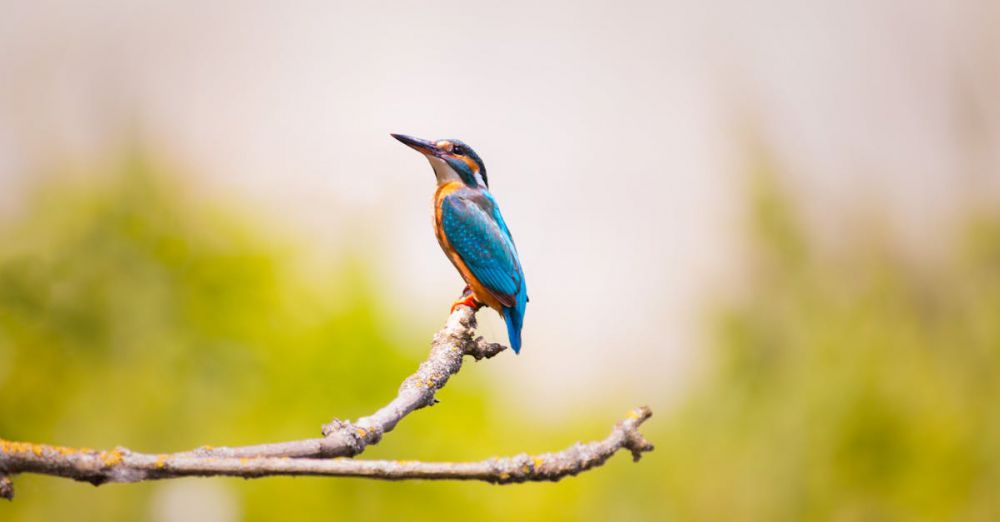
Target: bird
x,y
472,232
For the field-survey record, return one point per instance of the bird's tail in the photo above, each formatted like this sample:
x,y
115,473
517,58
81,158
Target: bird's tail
x,y
514,317
513,328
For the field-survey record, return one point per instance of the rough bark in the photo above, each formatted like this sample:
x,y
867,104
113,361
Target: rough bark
x,y
319,456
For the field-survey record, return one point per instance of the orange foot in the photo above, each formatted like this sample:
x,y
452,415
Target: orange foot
x,y
467,300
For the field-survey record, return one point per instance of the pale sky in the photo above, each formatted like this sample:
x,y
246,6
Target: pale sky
x,y
614,134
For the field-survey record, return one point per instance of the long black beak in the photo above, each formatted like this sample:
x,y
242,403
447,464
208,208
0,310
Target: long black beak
x,y
422,146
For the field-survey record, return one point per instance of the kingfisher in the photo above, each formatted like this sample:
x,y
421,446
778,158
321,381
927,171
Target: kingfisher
x,y
473,234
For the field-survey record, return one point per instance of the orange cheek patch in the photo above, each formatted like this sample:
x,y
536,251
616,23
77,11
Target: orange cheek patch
x,y
472,164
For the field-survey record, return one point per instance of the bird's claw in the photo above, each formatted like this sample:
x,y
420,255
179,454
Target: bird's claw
x,y
467,300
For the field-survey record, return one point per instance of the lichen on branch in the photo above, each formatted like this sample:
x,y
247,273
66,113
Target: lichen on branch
x,y
322,456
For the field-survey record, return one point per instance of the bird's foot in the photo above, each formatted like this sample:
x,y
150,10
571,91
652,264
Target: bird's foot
x,y
467,300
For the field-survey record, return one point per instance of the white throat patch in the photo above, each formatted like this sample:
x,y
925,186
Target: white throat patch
x,y
442,170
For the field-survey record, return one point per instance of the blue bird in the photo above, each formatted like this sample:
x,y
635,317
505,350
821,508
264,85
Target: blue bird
x,y
472,232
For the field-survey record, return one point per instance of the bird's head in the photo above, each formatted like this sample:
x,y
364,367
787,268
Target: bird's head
x,y
451,159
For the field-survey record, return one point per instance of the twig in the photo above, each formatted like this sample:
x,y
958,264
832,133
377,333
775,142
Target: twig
x,y
341,439
122,465
6,488
347,439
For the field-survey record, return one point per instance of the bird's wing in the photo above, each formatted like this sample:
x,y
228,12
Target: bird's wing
x,y
483,244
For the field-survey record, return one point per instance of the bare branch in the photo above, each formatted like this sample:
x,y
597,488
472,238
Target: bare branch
x,y
122,465
347,439
341,439
6,488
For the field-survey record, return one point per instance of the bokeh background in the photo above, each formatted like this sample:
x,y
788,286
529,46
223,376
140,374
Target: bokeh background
x,y
775,223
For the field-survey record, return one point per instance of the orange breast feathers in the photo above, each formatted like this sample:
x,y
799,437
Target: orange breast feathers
x,y
478,290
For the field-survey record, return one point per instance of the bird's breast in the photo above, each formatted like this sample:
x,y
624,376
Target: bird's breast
x,y
479,291
444,190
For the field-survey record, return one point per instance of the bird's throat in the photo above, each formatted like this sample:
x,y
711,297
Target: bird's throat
x,y
443,171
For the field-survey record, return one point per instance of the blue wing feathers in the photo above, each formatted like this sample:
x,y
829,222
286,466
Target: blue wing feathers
x,y
486,249
477,232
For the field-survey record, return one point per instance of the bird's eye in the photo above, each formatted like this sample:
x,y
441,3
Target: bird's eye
x,y
458,149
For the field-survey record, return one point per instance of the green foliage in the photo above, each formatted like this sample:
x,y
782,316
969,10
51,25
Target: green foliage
x,y
864,388
132,314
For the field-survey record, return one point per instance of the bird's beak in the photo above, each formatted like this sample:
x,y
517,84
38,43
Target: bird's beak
x,y
424,147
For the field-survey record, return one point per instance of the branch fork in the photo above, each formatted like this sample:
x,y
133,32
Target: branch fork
x,y
341,438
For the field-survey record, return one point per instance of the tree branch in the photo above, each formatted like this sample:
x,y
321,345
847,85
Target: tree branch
x,y
341,439
347,439
122,465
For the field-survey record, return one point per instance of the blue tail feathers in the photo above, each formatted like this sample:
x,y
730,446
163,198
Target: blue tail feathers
x,y
514,317
513,328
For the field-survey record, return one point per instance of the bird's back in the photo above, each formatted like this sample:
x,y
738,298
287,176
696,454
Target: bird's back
x,y
473,234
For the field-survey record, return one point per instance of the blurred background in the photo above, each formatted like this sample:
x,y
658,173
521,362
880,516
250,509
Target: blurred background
x,y
776,224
